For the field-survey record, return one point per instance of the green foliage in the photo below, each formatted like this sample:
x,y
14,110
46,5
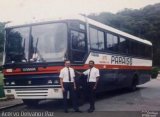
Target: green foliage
x,y
1,86
1,78
154,72
1,92
144,23
1,36
0,68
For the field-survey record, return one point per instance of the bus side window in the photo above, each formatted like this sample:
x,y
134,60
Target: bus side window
x,y
112,42
101,40
93,38
78,40
97,39
123,45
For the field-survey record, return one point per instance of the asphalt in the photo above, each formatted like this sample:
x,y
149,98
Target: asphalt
x,y
9,103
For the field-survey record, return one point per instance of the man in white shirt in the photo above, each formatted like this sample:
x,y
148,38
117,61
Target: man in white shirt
x,y
67,81
92,80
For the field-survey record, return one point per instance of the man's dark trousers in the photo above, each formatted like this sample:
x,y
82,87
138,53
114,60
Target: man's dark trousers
x,y
91,94
69,87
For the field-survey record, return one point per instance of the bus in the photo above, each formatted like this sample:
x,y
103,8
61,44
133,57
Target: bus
x,y
35,51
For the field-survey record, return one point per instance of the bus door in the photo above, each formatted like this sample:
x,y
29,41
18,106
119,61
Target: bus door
x,y
78,47
77,54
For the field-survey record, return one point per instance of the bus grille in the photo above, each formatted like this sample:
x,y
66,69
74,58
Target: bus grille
x,y
31,93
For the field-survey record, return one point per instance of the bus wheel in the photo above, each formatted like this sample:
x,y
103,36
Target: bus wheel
x,y
133,86
31,102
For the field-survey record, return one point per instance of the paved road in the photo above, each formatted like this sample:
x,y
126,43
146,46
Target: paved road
x,y
143,102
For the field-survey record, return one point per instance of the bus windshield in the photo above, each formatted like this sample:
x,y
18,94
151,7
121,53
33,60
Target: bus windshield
x,y
38,43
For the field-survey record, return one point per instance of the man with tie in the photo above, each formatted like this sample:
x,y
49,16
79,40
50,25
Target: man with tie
x,y
92,80
67,82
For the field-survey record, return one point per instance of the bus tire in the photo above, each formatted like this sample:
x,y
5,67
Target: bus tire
x,y
134,83
31,102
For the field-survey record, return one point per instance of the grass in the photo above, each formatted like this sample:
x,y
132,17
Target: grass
x,y
1,86
1,79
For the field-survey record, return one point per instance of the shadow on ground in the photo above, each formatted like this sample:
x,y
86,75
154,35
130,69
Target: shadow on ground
x,y
57,105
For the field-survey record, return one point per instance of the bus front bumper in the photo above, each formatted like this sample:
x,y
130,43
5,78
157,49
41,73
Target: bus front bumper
x,y
34,92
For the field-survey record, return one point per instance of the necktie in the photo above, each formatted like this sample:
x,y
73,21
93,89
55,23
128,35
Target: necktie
x,y
69,75
89,75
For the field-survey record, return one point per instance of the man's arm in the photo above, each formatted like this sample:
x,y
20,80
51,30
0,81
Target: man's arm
x,y
97,79
82,73
74,83
61,76
61,82
79,73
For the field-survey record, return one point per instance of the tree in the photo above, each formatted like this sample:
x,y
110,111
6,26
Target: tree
x,y
144,23
1,37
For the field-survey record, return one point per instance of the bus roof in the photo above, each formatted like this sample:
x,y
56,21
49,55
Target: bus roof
x,y
81,18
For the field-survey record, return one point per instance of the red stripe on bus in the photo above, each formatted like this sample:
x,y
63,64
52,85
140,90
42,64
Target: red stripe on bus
x,y
56,69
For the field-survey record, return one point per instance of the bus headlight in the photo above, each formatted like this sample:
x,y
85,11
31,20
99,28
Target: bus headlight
x,y
12,83
50,82
7,83
56,82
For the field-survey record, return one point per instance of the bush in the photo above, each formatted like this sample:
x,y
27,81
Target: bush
x,y
154,72
1,91
1,86
0,68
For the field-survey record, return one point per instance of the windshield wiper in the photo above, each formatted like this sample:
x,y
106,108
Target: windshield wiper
x,y
37,57
16,57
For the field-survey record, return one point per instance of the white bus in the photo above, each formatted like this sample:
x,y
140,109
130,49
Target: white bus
x,y
35,53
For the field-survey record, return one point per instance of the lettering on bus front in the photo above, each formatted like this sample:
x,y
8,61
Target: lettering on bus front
x,y
121,60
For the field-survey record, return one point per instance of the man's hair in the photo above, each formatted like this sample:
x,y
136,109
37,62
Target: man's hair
x,y
91,61
66,61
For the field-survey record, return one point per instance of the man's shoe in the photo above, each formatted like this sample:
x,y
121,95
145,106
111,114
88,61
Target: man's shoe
x,y
66,111
78,111
90,110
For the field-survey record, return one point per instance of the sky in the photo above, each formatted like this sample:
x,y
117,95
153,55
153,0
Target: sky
x,y
23,10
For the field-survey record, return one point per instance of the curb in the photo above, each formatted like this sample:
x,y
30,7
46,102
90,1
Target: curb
x,y
6,99
11,106
3,99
